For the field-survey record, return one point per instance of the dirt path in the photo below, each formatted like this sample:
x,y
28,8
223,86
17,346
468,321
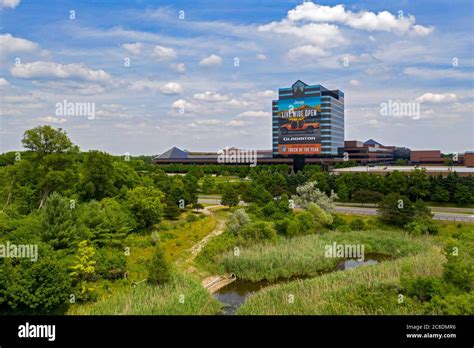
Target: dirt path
x,y
196,248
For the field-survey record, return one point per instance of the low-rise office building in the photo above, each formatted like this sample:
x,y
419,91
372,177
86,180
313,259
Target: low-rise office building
x,y
369,152
426,157
469,159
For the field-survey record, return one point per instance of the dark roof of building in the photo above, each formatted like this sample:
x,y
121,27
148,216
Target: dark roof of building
x,y
372,142
173,153
299,83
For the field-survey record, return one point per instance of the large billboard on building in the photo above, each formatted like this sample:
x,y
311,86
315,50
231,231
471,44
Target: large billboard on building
x,y
298,126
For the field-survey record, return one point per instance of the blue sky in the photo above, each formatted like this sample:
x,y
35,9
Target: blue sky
x,y
206,81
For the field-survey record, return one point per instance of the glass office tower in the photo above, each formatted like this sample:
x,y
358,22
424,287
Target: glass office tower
x,y
307,120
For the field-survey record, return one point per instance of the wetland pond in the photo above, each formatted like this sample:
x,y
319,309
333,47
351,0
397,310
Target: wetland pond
x,y
235,294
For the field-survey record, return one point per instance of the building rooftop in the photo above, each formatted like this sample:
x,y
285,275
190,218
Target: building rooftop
x,y
174,152
177,154
372,142
406,169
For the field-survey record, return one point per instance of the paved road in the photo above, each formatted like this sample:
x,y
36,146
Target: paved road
x,y
437,214
433,208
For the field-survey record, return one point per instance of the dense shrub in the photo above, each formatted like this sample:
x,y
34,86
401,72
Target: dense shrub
x,y
237,220
320,216
423,288
281,226
459,269
452,304
191,218
107,220
111,263
338,222
257,231
358,225
145,203
293,229
41,287
396,209
306,222
367,196
171,210
421,227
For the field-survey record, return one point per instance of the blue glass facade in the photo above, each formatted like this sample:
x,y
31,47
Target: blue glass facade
x,y
331,117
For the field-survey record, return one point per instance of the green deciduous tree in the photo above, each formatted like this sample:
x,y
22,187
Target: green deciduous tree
x,y
98,176
256,193
53,162
171,210
419,184
396,182
208,184
367,196
396,209
40,287
146,205
230,197
464,194
440,195
46,140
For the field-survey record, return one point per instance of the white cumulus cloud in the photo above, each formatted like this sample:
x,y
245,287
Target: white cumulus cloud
x,y
211,96
306,51
9,3
134,48
320,34
354,82
364,20
179,67
181,103
164,53
438,74
255,114
51,119
211,60
436,98
47,70
10,44
169,88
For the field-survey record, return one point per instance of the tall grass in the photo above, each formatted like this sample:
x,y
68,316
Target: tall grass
x,y
184,235
363,290
305,256
184,295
